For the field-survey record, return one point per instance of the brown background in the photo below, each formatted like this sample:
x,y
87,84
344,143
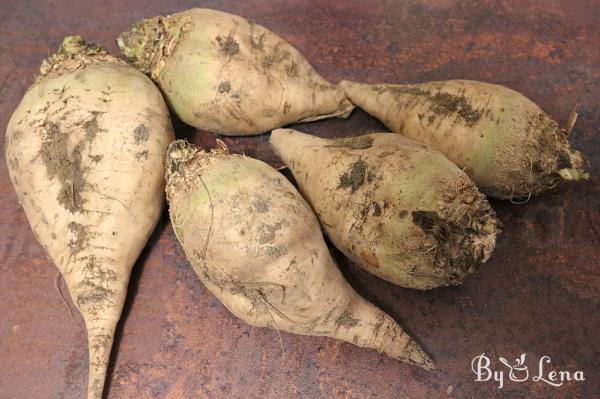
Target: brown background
x,y
538,294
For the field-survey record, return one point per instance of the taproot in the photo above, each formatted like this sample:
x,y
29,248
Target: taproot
x,y
85,151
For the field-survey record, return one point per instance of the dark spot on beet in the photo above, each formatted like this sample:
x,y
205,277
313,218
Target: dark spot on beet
x,y
355,177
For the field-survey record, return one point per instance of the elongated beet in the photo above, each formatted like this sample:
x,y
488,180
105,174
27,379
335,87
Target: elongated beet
x,y
397,208
85,150
222,73
503,141
257,246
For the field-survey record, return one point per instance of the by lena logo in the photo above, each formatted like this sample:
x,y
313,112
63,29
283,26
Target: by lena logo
x,y
519,372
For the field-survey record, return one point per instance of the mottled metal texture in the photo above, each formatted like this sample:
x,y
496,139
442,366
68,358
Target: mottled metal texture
x,y
538,294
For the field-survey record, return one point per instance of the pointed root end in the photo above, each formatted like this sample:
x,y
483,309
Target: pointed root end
x,y
573,174
95,389
278,133
100,347
279,140
418,357
346,109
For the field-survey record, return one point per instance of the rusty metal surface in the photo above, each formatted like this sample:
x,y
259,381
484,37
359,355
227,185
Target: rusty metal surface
x,y
539,294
